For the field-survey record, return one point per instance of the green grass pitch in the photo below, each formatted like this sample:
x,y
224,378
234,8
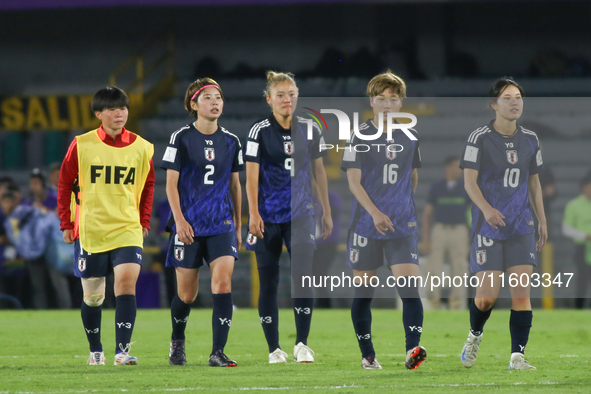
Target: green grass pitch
x,y
46,352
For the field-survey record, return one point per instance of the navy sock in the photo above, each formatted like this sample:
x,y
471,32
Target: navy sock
x,y
268,309
179,312
361,316
91,319
302,310
125,311
519,325
478,318
412,313
221,320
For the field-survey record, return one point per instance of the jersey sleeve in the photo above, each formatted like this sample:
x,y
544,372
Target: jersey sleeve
x,y
317,144
252,150
238,162
472,152
416,160
172,156
536,162
350,158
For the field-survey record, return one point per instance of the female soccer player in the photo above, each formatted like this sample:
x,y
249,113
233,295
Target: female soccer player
x,y
501,163
202,162
383,219
277,216
110,175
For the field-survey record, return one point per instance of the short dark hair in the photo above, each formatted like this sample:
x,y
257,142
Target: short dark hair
x,y
450,159
109,97
13,187
37,173
8,194
585,181
501,84
6,179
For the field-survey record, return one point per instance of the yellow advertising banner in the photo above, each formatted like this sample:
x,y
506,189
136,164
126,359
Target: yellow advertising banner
x,y
50,112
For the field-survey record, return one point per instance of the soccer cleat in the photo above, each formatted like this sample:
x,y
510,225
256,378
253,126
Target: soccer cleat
x,y
470,351
177,356
96,358
303,354
518,363
277,357
123,357
370,362
219,359
415,357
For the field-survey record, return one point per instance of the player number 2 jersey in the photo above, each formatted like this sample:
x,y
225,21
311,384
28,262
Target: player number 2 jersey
x,y
205,164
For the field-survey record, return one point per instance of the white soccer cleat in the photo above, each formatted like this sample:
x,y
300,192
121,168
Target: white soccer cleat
x,y
470,351
518,363
370,363
124,358
96,358
277,357
303,354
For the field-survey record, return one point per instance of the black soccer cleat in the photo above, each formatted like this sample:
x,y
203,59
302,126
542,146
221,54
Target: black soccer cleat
x,y
177,353
219,359
415,357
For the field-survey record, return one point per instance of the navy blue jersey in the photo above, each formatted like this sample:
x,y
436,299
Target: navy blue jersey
x,y
504,165
386,168
284,157
205,164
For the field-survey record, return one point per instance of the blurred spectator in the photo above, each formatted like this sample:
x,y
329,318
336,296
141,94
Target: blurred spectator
x,y
447,205
40,196
32,232
577,225
326,249
54,176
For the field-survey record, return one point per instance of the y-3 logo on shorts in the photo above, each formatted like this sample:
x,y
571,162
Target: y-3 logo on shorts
x,y
532,255
414,256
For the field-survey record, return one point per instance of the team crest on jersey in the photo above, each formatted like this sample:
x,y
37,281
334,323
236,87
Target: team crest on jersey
x,y
287,147
512,156
354,255
81,263
481,257
179,253
251,239
210,154
390,154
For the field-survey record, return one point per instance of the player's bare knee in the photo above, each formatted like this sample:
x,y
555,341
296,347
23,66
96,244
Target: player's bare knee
x,y
187,297
484,304
221,285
